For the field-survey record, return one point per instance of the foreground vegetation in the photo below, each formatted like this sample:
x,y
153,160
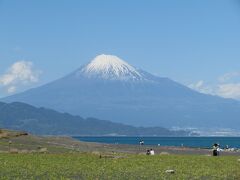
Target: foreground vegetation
x,y
25,156
117,166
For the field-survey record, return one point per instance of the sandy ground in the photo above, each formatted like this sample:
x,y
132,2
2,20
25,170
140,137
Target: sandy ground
x,y
136,149
31,143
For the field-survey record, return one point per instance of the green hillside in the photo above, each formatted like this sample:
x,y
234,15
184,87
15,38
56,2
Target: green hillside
x,y
42,121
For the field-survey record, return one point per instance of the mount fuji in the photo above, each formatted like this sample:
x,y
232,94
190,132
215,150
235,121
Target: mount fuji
x,y
111,89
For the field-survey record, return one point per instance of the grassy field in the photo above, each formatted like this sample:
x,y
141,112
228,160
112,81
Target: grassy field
x,y
25,156
115,166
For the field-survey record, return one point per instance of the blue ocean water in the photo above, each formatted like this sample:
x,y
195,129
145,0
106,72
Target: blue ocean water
x,y
202,142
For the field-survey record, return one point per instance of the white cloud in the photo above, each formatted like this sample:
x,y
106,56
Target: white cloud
x,y
202,87
231,90
19,74
228,76
224,87
226,90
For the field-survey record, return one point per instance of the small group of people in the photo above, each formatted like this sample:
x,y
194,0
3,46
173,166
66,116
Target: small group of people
x,y
150,152
216,149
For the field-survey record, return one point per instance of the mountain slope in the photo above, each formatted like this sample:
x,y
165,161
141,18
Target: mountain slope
x,y
109,88
21,116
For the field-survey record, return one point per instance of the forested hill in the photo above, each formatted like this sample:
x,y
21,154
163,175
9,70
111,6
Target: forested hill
x,y
42,121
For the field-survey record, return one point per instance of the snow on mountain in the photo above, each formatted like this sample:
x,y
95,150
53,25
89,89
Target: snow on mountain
x,y
111,68
109,88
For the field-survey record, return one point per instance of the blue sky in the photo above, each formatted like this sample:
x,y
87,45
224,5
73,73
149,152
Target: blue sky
x,y
196,43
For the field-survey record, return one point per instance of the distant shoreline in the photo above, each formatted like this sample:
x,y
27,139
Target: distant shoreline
x,y
22,142
228,143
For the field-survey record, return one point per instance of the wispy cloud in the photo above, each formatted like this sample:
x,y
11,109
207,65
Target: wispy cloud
x,y
227,86
20,74
231,90
228,76
202,87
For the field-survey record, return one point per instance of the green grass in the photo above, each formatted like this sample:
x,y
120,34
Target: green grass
x,y
89,166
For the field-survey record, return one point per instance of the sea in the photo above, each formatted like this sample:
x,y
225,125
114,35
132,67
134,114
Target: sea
x,y
196,142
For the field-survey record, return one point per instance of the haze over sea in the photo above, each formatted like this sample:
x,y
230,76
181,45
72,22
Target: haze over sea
x,y
197,142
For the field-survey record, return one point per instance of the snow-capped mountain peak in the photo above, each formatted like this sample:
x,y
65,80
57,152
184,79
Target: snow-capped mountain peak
x,y
110,67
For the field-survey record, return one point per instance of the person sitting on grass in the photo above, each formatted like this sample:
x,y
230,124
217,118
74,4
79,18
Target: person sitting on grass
x,y
218,150
215,150
148,152
152,152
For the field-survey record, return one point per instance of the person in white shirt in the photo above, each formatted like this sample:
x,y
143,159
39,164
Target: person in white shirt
x,y
152,152
218,151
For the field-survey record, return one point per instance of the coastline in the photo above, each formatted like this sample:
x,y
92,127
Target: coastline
x,y
22,142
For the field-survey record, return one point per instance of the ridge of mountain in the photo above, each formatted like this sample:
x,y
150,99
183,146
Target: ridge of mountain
x,y
43,121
